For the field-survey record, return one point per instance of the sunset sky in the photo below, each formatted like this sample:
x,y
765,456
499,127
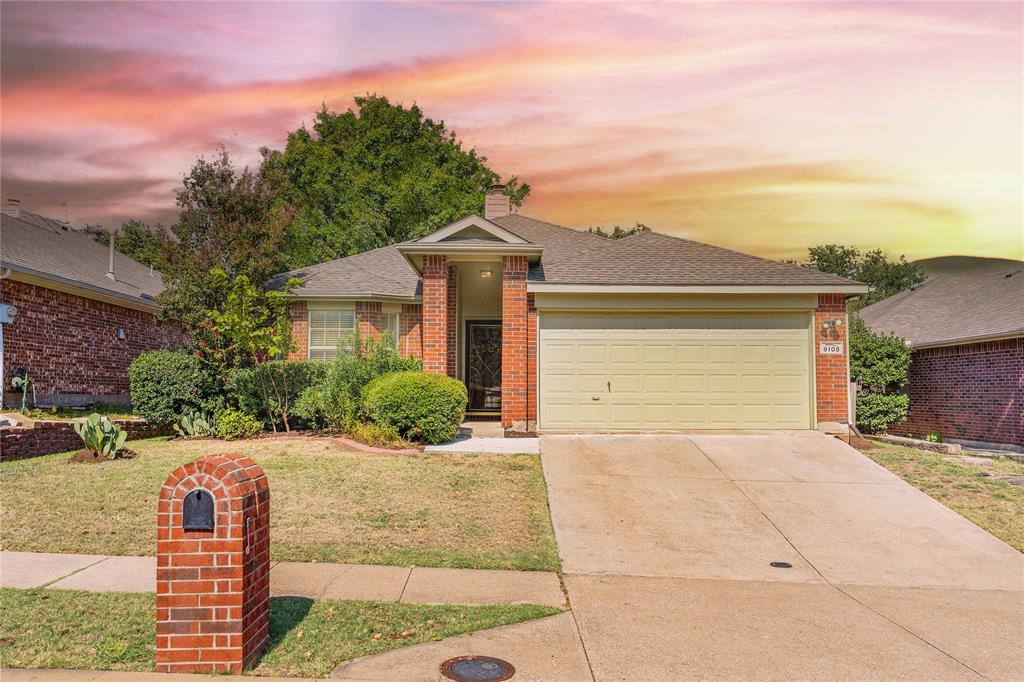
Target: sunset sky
x,y
761,127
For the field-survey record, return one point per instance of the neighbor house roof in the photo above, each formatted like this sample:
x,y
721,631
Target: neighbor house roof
x,y
952,309
569,257
39,248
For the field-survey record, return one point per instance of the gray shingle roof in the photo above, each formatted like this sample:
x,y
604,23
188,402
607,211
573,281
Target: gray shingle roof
x,y
381,272
46,248
572,256
952,308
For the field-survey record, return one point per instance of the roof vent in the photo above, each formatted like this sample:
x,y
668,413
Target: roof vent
x,y
12,208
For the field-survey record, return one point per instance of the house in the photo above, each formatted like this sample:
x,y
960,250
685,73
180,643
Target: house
x,y
966,332
74,312
555,329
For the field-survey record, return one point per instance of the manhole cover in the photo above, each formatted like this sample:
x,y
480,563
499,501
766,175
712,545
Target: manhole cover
x,y
477,668
780,564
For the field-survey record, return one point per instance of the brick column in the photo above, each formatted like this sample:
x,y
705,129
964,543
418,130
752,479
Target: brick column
x,y
435,314
410,331
213,580
831,376
368,319
531,364
452,321
514,336
298,314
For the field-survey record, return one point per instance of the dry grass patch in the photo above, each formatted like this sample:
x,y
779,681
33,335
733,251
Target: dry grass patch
x,y
327,504
977,491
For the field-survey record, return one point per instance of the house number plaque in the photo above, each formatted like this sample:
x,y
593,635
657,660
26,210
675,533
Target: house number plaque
x,y
830,348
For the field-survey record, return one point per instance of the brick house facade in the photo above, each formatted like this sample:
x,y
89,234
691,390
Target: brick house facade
x,y
969,392
71,345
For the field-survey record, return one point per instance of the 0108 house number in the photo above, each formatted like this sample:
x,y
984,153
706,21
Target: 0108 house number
x,y
830,348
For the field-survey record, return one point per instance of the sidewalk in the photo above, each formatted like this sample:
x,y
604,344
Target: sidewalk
x,y
100,573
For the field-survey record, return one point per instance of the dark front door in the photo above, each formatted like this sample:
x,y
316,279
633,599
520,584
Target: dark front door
x,y
483,365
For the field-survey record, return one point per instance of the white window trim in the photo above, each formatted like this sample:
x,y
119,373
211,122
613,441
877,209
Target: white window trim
x,y
393,334
329,353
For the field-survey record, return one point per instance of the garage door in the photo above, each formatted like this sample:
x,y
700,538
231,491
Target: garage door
x,y
674,370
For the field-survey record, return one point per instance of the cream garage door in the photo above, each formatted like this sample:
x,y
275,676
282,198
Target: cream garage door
x,y
674,370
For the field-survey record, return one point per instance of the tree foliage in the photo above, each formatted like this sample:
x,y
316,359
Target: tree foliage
x,y
232,221
617,232
375,175
138,241
885,276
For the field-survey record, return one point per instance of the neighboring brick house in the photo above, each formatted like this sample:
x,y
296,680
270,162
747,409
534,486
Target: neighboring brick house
x,y
966,379
74,325
555,329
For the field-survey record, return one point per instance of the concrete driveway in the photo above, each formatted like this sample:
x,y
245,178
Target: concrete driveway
x,y
667,543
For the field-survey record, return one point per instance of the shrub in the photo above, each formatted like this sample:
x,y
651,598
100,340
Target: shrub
x,y
194,424
377,435
877,411
233,425
270,391
101,436
335,401
419,406
165,384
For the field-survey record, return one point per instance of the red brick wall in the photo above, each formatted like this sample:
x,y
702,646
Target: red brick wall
x,y
368,319
830,371
514,345
213,587
435,314
452,326
299,315
410,341
46,437
969,392
69,345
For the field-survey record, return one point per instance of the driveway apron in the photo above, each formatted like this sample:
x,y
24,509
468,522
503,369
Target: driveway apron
x,y
667,544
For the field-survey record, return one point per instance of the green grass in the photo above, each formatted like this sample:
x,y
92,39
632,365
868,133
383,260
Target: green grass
x,y
116,631
111,410
327,504
993,504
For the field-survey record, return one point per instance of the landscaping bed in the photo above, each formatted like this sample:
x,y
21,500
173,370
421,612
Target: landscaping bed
x,y
982,490
328,503
117,631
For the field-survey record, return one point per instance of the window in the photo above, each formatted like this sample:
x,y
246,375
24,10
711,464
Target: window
x,y
389,328
326,328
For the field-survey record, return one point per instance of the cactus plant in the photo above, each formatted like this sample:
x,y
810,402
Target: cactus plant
x,y
101,436
194,424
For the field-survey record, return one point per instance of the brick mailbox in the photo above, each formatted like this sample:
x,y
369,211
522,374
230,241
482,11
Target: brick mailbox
x,y
213,566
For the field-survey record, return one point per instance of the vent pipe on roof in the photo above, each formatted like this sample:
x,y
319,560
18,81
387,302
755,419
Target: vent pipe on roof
x,y
497,203
110,265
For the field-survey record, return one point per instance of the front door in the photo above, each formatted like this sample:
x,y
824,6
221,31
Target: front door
x,y
483,365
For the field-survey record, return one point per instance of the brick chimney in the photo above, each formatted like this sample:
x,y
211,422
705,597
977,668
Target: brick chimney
x,y
496,203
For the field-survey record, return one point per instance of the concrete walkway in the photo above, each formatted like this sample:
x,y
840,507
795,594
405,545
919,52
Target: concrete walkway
x,y
97,573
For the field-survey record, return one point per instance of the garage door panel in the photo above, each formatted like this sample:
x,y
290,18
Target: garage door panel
x,y
676,370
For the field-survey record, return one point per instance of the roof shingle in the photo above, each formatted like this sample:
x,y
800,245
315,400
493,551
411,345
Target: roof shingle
x,y
951,309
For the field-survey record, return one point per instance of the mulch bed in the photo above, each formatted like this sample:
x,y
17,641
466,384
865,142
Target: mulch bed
x,y
88,456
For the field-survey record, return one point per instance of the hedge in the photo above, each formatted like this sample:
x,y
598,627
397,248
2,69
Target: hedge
x,y
418,405
256,389
164,385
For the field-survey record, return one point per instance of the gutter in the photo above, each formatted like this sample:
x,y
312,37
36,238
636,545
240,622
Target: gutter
x,y
77,288
551,287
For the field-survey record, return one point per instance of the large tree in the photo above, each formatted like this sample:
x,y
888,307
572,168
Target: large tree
x,y
376,174
138,241
232,220
885,276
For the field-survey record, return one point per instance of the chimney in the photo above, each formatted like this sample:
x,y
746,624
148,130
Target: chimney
x,y
12,208
497,204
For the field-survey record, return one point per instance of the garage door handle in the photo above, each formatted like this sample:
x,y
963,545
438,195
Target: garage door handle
x,y
595,397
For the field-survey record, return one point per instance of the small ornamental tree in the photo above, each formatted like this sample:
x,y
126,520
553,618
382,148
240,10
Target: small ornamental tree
x,y
880,363
253,324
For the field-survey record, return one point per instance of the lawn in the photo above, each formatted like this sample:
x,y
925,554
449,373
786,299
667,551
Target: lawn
x,y
116,631
111,410
327,504
994,504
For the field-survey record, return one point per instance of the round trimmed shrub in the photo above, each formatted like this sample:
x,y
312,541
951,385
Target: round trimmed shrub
x,y
164,385
418,405
233,425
